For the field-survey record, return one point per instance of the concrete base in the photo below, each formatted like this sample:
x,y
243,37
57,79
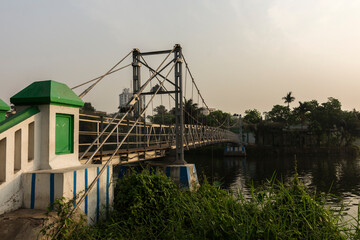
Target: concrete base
x,y
235,151
42,187
183,175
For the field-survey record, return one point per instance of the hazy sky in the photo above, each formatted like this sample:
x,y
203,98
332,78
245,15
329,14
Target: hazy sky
x,y
243,54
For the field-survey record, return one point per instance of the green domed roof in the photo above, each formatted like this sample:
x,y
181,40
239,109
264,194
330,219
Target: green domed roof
x,y
47,92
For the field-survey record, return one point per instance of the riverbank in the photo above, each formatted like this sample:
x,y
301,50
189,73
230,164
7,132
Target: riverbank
x,y
153,207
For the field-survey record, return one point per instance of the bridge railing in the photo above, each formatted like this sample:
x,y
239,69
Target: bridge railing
x,y
143,134
146,135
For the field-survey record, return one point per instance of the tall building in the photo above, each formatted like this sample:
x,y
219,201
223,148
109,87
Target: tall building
x,y
125,97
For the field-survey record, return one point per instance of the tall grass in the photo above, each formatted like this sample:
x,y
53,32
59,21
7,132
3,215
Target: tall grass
x,y
151,206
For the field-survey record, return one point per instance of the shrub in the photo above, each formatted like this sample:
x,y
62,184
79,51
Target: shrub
x,y
151,206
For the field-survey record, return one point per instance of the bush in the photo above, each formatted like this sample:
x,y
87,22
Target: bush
x,y
151,206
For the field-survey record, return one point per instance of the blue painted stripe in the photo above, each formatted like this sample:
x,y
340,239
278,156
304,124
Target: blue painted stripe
x,y
184,176
52,186
97,194
86,187
32,200
168,171
74,189
107,187
122,172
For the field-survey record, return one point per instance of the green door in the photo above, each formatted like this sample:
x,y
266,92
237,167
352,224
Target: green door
x,y
64,135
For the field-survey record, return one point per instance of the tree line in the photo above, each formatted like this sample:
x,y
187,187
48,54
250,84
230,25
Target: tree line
x,y
193,114
313,123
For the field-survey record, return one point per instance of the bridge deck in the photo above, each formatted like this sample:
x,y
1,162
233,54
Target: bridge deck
x,y
132,155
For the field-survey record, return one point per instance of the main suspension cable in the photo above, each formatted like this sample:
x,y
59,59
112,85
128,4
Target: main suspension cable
x,y
100,78
199,94
114,71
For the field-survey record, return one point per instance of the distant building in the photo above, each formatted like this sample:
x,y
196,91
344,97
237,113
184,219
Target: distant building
x,y
125,97
206,111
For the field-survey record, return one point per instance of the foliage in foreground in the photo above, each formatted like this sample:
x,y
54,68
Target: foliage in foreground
x,y
153,207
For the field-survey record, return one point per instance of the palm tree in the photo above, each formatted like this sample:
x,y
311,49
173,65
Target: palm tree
x,y
302,110
191,108
288,98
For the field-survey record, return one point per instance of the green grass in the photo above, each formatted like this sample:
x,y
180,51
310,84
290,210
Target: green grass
x,y
149,206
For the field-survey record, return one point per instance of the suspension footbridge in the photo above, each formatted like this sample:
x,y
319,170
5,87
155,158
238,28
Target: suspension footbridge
x,y
137,140
48,150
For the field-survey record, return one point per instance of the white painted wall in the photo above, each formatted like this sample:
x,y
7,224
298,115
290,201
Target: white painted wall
x,y
10,190
11,195
64,185
45,137
44,151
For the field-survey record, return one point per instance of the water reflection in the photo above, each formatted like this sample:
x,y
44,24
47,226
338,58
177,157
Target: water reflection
x,y
339,176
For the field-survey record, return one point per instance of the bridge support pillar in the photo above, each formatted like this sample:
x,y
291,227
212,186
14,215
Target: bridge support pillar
x,y
137,81
136,87
179,117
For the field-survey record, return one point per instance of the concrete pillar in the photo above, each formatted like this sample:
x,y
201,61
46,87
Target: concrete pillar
x,y
56,132
184,175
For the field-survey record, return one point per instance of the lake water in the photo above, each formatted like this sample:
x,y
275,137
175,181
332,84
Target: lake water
x,y
339,176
